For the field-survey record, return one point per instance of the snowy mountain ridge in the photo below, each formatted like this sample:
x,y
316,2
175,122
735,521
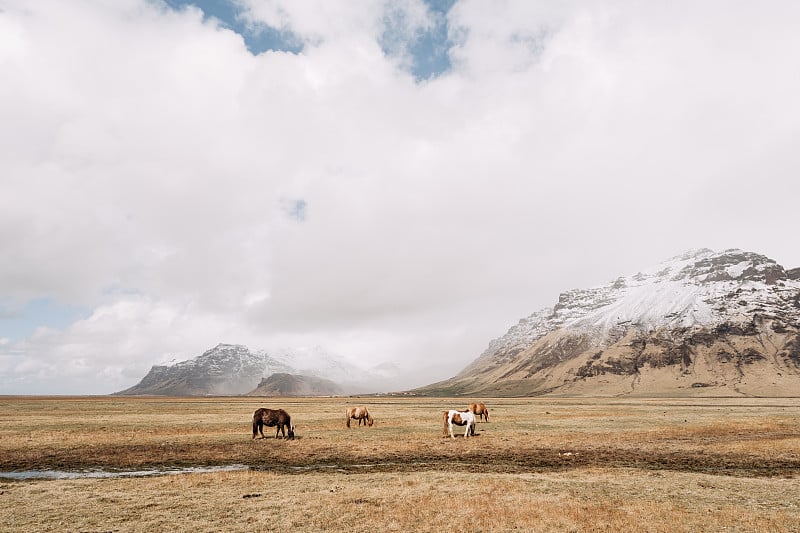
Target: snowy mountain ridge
x,y
702,323
698,288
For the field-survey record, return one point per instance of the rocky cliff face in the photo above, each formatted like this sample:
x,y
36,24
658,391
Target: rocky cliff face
x,y
703,323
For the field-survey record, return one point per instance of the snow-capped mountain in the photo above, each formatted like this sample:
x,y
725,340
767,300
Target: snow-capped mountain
x,y
702,320
235,369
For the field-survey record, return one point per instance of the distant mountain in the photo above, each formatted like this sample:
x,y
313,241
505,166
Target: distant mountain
x,y
703,323
225,369
283,384
229,369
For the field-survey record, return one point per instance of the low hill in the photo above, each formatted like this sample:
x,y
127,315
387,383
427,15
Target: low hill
x,y
283,384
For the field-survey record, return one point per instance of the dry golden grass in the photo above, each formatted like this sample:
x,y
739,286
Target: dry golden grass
x,y
538,465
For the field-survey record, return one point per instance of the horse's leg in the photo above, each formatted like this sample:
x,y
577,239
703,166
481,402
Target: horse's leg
x,y
450,426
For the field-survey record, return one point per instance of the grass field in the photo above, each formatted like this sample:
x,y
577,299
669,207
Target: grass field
x,y
538,465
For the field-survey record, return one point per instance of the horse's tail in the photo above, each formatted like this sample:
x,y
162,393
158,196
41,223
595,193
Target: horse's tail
x,y
256,421
287,421
347,417
444,423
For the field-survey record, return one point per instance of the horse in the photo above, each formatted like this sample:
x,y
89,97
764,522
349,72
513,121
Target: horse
x,y
272,418
459,418
479,409
359,413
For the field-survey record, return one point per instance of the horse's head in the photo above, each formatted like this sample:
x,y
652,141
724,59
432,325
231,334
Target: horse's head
x,y
370,421
291,432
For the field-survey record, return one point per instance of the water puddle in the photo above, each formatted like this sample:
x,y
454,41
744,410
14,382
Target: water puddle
x,y
90,474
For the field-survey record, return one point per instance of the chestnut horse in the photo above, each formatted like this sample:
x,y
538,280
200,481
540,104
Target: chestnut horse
x,y
272,418
359,413
479,409
459,418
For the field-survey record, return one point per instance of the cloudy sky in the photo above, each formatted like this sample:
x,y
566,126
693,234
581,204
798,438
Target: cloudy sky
x,y
393,181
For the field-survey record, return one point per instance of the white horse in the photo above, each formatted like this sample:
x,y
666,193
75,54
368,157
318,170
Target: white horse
x,y
459,418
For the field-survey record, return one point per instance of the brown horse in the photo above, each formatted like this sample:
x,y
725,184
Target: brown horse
x,y
272,418
479,409
359,413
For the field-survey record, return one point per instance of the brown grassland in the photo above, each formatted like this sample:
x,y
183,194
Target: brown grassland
x,y
543,464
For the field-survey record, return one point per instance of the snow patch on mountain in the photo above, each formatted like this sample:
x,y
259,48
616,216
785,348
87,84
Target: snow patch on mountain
x,y
700,288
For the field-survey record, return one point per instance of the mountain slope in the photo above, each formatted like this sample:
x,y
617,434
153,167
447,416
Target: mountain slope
x,y
703,323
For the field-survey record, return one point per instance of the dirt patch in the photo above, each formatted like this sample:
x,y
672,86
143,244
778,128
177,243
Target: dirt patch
x,y
496,460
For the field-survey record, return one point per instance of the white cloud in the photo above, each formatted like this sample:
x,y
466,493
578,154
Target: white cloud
x,y
157,170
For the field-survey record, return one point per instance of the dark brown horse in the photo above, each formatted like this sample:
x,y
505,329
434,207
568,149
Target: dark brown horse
x,y
272,418
479,409
359,413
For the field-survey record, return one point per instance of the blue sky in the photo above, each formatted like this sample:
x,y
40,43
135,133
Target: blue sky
x,y
18,323
428,49
257,40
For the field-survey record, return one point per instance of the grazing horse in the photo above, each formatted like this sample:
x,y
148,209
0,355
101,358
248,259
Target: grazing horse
x,y
359,413
459,418
272,418
479,409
